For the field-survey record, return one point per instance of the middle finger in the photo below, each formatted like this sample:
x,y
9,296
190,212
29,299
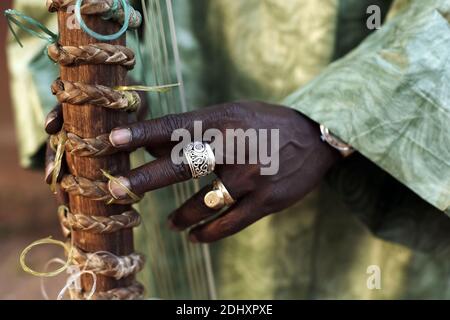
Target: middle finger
x,y
157,174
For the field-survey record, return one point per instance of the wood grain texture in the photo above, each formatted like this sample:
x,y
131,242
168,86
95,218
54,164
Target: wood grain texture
x,y
89,121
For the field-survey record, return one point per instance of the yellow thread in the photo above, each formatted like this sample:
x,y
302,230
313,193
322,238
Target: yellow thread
x,y
160,89
130,193
53,142
62,138
133,101
48,240
44,241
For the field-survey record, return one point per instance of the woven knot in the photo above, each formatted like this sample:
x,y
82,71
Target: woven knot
x,y
108,264
94,190
80,93
84,147
98,53
97,224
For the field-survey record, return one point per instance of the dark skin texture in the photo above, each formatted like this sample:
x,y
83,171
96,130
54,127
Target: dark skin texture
x,y
303,161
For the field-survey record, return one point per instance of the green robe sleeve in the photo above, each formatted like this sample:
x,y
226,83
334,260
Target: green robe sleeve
x,y
390,99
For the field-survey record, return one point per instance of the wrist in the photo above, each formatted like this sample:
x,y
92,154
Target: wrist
x,y
328,153
334,142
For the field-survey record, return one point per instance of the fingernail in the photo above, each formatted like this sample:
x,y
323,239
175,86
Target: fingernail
x,y
193,238
117,190
50,119
48,172
120,137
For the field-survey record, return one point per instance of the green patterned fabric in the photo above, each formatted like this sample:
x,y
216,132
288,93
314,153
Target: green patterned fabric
x,y
266,50
395,108
386,93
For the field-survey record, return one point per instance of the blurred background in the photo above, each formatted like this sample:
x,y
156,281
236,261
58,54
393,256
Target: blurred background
x,y
27,211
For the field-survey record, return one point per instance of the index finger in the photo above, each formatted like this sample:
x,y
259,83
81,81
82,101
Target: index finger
x,y
159,131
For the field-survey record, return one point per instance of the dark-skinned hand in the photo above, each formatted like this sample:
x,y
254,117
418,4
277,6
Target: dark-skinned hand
x,y
303,161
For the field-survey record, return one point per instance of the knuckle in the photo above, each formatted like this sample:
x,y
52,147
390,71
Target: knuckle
x,y
171,122
146,178
141,131
180,171
232,109
140,181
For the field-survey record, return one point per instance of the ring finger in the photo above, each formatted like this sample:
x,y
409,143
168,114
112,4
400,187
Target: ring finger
x,y
194,210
